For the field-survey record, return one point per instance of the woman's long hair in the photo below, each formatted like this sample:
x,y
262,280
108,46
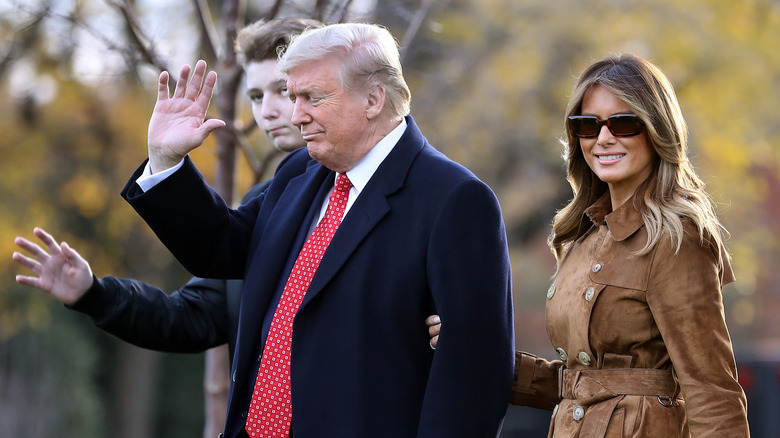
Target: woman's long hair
x,y
671,193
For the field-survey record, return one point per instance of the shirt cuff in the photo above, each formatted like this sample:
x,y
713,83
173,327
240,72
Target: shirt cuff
x,y
147,180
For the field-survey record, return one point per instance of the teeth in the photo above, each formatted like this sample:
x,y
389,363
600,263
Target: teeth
x,y
611,157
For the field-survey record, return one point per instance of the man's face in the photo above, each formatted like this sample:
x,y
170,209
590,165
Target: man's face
x,y
332,120
270,106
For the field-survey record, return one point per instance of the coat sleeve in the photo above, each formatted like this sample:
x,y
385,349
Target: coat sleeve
x,y
536,381
189,320
684,295
207,237
470,281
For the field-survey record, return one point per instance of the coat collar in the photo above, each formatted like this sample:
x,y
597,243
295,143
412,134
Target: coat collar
x,y
622,223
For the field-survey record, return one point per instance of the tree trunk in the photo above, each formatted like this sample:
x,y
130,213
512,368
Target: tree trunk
x,y
216,385
217,369
136,374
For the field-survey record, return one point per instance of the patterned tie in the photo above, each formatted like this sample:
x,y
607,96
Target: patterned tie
x,y
270,412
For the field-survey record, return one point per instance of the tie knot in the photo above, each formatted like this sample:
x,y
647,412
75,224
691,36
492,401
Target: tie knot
x,y
343,184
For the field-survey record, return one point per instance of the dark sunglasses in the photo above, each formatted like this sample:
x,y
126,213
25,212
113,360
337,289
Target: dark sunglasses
x,y
620,125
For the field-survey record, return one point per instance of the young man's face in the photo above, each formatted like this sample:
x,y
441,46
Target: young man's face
x,y
271,108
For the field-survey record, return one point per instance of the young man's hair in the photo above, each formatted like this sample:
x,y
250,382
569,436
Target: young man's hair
x,y
264,40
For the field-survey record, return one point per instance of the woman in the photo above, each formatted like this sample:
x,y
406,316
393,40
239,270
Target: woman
x,y
635,310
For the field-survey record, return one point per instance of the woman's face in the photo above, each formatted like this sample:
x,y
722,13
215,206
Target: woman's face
x,y
621,162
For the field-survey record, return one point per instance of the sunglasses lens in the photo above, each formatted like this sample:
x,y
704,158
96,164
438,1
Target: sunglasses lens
x,y
625,125
584,126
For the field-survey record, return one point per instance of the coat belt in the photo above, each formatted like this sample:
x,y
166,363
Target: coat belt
x,y
599,392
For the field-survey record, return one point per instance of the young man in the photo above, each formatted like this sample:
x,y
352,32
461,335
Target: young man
x,y
353,244
204,312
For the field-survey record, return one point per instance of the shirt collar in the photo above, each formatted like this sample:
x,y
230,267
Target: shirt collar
x,y
622,223
365,168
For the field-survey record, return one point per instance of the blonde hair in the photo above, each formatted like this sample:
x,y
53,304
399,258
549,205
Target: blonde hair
x,y
671,193
370,55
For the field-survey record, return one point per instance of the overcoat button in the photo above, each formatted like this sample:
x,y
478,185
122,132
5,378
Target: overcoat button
x,y
578,413
562,354
551,291
589,294
597,267
584,358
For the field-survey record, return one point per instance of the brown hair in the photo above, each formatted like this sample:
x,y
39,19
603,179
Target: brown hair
x,y
264,40
674,190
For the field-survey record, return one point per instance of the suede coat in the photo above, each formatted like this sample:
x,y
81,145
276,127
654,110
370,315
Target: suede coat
x,y
643,342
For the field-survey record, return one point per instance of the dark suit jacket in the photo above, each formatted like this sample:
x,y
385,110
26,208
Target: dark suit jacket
x,y
424,236
200,315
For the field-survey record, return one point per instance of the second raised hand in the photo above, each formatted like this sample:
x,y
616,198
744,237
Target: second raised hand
x,y
178,123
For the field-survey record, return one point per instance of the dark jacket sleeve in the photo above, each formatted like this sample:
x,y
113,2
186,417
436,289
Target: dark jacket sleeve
x,y
177,215
191,319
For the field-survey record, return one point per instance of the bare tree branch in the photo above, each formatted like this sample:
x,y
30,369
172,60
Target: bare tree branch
x,y
341,12
319,10
248,128
136,33
211,42
273,11
414,27
266,163
22,39
251,157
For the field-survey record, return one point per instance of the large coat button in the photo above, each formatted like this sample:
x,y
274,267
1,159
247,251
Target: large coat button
x,y
578,413
562,354
589,293
551,291
584,358
597,267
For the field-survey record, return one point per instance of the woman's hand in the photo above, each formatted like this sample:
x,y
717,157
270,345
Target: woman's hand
x,y
434,327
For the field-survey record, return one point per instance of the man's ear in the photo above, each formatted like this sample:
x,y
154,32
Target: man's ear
x,y
375,101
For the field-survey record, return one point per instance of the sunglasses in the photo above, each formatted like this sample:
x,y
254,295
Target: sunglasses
x,y
620,125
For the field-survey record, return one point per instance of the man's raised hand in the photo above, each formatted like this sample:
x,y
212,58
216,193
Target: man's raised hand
x,y
178,124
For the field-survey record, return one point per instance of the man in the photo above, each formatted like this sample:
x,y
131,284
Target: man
x,y
350,247
204,312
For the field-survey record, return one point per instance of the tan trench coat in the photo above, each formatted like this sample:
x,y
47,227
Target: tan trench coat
x,y
643,339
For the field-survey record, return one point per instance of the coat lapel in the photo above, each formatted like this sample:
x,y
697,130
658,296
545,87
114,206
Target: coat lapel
x,y
369,209
285,226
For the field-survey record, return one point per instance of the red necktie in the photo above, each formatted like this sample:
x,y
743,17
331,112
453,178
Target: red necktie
x,y
270,412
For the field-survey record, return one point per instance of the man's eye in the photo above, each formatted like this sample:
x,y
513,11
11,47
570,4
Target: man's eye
x,y
283,91
256,97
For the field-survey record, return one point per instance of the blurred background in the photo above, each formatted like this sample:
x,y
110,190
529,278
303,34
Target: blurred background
x,y
490,80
